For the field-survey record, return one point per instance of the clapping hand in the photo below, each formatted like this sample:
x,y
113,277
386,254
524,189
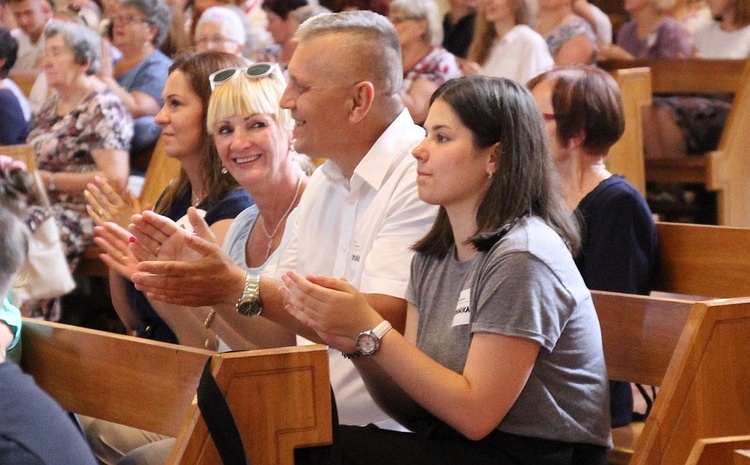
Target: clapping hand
x,y
180,267
332,307
104,204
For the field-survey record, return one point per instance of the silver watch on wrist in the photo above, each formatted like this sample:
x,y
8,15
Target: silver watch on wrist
x,y
368,342
250,304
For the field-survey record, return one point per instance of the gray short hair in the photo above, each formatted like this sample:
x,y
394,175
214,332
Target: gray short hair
x,y
423,10
85,44
158,14
379,45
226,17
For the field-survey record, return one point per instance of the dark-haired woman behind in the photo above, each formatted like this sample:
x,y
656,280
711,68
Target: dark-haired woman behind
x,y
501,361
583,111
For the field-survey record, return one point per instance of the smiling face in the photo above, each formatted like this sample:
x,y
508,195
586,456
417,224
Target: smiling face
x,y
59,64
253,148
318,95
181,117
451,170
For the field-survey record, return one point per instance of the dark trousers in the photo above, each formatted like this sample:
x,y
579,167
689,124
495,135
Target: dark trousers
x,y
369,445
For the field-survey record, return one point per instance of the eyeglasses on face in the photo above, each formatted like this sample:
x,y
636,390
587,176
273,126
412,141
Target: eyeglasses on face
x,y
255,71
127,19
216,40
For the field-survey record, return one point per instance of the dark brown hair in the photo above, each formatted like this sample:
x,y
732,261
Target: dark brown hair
x,y
586,102
498,110
197,67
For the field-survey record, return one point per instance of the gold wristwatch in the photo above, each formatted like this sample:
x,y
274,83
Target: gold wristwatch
x,y
250,304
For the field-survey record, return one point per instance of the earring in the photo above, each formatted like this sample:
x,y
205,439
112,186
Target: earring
x,y
489,175
224,170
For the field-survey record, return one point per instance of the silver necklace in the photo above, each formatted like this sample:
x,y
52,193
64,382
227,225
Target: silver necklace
x,y
283,217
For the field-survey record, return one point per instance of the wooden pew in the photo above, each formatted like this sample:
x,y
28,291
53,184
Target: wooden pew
x,y
280,398
695,352
24,82
21,152
741,457
703,260
724,170
626,156
710,451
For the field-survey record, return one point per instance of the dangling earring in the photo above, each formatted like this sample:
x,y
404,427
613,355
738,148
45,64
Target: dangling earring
x,y
224,170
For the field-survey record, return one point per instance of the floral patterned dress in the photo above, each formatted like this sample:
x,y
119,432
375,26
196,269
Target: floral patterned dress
x,y
64,144
438,66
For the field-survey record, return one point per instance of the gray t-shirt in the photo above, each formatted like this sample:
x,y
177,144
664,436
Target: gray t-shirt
x,y
527,286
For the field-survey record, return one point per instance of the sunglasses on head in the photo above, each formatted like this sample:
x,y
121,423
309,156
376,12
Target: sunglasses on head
x,y
255,71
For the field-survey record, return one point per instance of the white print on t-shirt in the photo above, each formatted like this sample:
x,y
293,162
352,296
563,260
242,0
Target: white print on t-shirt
x,y
462,308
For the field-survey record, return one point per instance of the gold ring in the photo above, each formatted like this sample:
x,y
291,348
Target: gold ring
x,y
124,258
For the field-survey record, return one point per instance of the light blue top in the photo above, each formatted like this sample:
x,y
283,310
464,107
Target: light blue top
x,y
11,316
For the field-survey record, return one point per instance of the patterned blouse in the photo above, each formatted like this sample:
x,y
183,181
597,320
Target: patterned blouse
x,y
438,66
64,144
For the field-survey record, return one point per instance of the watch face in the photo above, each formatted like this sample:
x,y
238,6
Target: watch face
x,y
367,343
247,308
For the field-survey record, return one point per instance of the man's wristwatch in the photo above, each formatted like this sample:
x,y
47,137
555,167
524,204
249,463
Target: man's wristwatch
x,y
368,342
250,304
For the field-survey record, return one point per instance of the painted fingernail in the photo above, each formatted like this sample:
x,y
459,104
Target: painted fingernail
x,y
132,239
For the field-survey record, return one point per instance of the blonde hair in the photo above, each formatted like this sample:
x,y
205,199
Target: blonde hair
x,y
241,95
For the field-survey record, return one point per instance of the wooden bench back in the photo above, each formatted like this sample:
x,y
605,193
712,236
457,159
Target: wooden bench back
x,y
626,156
695,352
711,451
279,398
160,172
724,170
21,152
25,82
702,260
704,392
640,334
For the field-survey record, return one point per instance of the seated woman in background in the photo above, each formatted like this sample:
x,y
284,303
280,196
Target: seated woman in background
x,y
570,38
502,341
504,45
82,131
14,108
220,28
679,126
33,427
282,27
426,63
650,34
583,110
139,27
202,184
